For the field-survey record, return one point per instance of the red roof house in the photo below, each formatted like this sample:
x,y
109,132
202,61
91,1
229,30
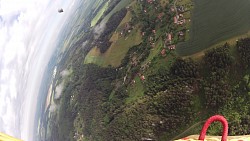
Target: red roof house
x,y
169,37
163,52
175,20
143,78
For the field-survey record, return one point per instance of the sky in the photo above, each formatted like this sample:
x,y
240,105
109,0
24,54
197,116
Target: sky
x,y
29,30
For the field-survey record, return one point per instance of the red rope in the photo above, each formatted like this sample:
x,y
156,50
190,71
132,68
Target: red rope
x,y
213,119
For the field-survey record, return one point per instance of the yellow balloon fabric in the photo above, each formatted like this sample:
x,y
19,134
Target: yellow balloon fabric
x,y
4,137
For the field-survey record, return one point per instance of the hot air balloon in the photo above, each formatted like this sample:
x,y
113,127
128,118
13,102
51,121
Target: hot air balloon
x,y
4,137
60,10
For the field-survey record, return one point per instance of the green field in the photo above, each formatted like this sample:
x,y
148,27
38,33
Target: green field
x,y
135,91
214,21
116,52
99,14
118,7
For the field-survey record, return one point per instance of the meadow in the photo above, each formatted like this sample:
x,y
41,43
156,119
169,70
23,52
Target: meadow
x,y
215,21
116,52
99,14
118,49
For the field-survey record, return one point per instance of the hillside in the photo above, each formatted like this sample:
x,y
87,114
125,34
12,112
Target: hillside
x,y
128,82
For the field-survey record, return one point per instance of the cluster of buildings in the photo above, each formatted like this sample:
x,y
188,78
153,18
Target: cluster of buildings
x,y
179,19
168,43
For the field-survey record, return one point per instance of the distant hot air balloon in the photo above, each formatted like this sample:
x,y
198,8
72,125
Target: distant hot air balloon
x,y
60,10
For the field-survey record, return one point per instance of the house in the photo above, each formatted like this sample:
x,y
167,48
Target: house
x,y
181,33
143,78
175,20
172,9
154,31
163,52
171,47
180,9
151,38
180,22
169,37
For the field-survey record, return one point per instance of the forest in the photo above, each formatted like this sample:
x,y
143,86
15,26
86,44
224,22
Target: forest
x,y
175,98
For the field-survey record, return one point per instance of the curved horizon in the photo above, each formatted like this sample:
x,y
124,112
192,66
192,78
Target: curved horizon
x,y
29,32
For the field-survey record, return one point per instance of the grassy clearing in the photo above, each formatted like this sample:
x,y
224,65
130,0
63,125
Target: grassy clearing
x,y
135,91
119,48
116,52
215,21
154,51
160,62
94,56
99,14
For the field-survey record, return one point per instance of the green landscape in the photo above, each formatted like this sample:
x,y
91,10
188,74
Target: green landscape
x,y
157,71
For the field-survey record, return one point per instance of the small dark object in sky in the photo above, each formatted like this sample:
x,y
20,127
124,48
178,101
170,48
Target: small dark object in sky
x,y
60,10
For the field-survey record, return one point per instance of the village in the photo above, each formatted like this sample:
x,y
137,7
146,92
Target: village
x,y
170,24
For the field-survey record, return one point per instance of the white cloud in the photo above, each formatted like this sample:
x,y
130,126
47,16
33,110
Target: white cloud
x,y
60,87
99,29
28,32
65,73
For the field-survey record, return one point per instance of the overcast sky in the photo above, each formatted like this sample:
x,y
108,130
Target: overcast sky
x,y
28,34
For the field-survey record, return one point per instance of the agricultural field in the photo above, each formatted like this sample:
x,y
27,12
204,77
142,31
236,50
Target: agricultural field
x,y
117,8
99,14
116,52
215,21
230,41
